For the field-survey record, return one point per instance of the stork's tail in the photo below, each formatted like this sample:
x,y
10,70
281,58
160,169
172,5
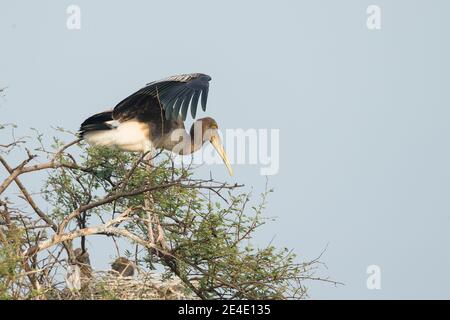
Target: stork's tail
x,y
99,122
100,129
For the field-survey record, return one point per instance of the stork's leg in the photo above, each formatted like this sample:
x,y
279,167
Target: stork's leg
x,y
149,204
149,150
148,199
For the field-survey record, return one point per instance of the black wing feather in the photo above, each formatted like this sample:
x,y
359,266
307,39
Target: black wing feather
x,y
177,107
185,106
204,98
194,103
174,94
170,97
169,108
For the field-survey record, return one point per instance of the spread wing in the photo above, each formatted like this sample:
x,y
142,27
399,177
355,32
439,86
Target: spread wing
x,y
174,94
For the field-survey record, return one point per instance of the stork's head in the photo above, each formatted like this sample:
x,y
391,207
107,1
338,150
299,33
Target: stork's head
x,y
210,132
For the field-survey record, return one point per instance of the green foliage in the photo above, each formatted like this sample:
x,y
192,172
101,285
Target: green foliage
x,y
10,261
206,233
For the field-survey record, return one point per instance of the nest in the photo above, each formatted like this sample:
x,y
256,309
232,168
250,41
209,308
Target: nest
x,y
145,286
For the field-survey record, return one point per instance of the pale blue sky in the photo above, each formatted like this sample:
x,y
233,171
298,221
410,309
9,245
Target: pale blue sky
x,y
363,115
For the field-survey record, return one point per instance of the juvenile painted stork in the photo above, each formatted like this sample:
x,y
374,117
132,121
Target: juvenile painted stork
x,y
153,117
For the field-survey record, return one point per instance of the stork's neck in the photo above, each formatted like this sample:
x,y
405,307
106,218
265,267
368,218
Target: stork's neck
x,y
182,142
191,142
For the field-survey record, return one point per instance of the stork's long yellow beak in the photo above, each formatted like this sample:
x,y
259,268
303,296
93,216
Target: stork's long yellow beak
x,y
219,148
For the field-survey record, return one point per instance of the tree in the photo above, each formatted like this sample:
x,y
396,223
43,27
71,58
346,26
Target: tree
x,y
197,230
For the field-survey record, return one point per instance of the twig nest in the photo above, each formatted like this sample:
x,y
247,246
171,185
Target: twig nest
x,y
144,286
